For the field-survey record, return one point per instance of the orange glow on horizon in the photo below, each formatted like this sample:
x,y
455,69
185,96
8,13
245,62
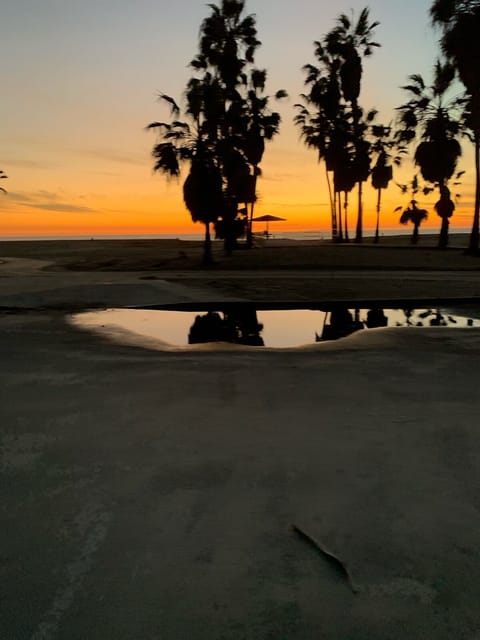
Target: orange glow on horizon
x,y
139,203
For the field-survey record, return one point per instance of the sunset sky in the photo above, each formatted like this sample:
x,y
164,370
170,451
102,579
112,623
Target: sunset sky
x,y
79,84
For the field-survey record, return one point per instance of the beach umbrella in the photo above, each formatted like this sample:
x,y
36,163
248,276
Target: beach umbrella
x,y
268,218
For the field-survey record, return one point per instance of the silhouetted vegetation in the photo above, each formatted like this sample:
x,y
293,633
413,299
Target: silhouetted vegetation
x,y
459,21
413,214
382,171
3,176
220,132
226,122
339,323
330,118
436,123
239,325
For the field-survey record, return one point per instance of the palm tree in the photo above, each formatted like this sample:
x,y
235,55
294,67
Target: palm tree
x,y
382,171
344,179
228,43
412,213
243,120
437,122
324,124
260,124
224,109
459,21
3,176
349,41
181,142
444,208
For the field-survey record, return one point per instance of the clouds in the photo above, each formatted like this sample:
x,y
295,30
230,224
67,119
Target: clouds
x,y
45,201
62,207
28,164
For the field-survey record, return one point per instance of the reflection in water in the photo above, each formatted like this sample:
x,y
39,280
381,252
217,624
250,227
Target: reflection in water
x,y
239,325
376,318
342,323
434,317
245,324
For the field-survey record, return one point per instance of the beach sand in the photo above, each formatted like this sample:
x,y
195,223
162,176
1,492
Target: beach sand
x,y
151,494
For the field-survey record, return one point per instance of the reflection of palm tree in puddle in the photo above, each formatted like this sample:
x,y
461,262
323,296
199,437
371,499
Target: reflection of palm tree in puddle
x,y
434,316
239,326
342,323
376,318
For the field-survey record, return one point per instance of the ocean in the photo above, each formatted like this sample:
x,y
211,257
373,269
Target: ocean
x,y
280,235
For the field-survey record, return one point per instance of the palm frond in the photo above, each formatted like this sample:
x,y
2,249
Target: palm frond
x,y
159,125
174,108
166,159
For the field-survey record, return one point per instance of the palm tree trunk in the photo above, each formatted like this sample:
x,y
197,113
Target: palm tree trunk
x,y
415,233
358,234
443,239
379,201
207,246
339,211
345,206
473,247
250,217
333,208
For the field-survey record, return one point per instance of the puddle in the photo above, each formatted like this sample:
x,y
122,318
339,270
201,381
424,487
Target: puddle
x,y
275,328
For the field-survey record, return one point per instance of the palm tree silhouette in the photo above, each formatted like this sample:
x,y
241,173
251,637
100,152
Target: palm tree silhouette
x,y
320,117
344,179
179,142
225,123
349,41
412,213
459,21
3,176
228,42
327,125
260,124
437,122
382,171
242,121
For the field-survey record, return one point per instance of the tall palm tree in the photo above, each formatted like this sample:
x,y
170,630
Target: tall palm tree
x,y
180,142
459,21
436,123
412,213
382,171
344,181
3,176
228,42
224,108
260,124
324,124
349,41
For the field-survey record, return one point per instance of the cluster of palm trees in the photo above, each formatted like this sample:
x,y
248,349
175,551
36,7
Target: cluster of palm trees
x,y
332,122
223,128
459,23
226,120
354,147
